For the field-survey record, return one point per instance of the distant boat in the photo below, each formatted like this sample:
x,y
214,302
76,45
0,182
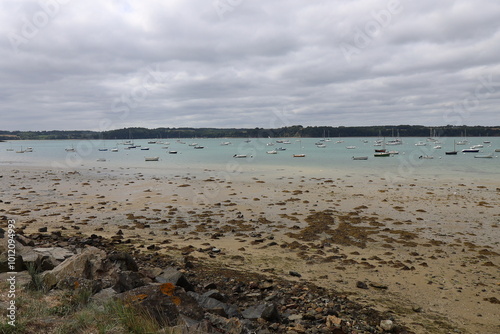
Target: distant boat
x,y
426,157
225,143
281,149
103,149
114,150
272,152
454,152
359,158
470,150
101,159
497,150
172,152
21,150
382,152
144,148
421,143
487,156
29,149
350,147
320,145
302,155
151,158
198,147
486,142
477,146
70,149
241,156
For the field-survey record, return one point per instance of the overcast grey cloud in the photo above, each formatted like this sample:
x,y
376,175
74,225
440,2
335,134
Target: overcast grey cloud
x,y
72,64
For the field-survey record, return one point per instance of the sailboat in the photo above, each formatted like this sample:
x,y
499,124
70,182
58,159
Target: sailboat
x,y
454,152
300,155
382,152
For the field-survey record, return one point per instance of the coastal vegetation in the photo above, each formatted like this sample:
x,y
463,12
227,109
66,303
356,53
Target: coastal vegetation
x,y
287,131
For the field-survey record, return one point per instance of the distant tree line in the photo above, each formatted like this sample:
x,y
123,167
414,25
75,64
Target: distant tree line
x,y
288,131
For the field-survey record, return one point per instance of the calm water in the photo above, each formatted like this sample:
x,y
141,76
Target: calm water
x,y
216,157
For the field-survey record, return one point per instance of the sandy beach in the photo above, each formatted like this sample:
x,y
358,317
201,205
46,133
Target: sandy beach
x,y
426,248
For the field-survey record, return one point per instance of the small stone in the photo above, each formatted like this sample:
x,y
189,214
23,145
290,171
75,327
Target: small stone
x,y
332,321
386,325
361,285
42,229
379,285
294,273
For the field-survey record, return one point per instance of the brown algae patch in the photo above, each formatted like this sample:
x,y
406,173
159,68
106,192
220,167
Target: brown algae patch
x,y
347,233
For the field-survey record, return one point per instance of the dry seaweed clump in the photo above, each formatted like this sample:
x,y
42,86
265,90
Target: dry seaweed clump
x,y
346,233
349,235
318,223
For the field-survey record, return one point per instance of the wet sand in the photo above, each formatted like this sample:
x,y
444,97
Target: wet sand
x,y
427,248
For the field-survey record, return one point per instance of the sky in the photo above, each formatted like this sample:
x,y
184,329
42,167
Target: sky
x,y
102,65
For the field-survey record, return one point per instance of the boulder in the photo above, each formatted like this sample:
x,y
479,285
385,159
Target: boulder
x,y
128,280
90,264
103,296
172,275
124,261
215,306
4,258
266,311
165,303
223,325
57,253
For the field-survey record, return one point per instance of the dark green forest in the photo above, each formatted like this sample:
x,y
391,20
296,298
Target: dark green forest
x,y
288,131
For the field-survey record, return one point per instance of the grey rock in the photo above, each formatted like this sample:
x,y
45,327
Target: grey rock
x,y
103,296
215,294
128,280
166,308
172,275
58,253
386,325
361,285
209,303
87,265
268,312
124,261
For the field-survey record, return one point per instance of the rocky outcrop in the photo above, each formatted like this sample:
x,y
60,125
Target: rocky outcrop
x,y
197,298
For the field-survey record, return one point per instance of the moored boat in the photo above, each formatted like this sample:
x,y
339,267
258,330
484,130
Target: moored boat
x,y
486,156
382,154
151,158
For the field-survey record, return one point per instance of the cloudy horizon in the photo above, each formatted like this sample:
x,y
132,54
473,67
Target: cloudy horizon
x,y
73,65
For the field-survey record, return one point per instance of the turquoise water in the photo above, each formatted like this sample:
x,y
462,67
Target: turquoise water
x,y
216,157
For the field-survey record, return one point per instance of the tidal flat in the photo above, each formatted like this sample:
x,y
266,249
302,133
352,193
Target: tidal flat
x,y
426,249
